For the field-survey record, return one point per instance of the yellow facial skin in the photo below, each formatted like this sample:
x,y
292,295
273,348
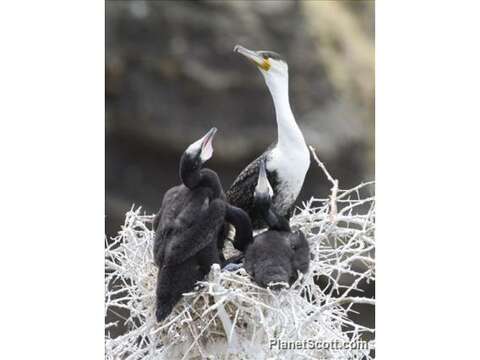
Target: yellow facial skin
x,y
265,64
254,57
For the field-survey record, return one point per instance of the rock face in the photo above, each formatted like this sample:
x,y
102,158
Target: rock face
x,y
171,74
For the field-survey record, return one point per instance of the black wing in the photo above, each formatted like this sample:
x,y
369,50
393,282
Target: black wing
x,y
203,232
243,227
179,212
242,190
164,221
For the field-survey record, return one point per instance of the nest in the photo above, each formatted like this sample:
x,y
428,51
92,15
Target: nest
x,y
228,315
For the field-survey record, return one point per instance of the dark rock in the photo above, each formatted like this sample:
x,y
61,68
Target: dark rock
x,y
171,73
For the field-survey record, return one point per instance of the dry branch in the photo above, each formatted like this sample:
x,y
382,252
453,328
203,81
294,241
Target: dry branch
x,y
228,315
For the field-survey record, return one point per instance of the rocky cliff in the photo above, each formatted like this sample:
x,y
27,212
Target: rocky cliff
x,y
171,74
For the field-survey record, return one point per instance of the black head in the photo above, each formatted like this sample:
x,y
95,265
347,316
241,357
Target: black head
x,y
270,63
196,155
266,54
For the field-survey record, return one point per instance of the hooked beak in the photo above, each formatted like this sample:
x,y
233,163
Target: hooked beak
x,y
207,147
253,56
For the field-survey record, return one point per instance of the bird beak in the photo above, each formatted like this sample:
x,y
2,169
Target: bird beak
x,y
207,147
254,57
263,185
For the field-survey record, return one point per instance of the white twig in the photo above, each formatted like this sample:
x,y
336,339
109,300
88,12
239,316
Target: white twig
x,y
229,316
334,189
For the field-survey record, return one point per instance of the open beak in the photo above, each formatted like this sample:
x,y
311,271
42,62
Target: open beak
x,y
253,56
207,147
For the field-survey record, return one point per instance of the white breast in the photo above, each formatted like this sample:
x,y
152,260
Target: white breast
x,y
291,166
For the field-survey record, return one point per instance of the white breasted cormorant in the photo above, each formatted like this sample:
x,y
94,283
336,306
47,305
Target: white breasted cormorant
x,y
188,227
276,254
288,159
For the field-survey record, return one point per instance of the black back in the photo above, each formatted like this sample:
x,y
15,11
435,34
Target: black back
x,y
241,193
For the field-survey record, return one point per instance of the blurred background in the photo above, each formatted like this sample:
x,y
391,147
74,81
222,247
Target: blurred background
x,y
171,74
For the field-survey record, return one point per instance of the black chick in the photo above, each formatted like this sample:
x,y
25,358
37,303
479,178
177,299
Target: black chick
x,y
276,254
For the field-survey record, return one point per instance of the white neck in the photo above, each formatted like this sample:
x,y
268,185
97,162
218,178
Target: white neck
x,y
289,135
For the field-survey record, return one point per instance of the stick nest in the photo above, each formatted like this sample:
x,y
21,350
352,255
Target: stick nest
x,y
227,314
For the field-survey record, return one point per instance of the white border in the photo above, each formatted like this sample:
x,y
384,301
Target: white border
x,y
427,73
52,179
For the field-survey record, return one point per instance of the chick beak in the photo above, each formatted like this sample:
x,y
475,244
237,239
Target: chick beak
x,y
263,188
207,147
253,56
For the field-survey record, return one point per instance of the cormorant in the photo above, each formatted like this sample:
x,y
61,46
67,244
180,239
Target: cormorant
x,y
287,160
276,254
188,227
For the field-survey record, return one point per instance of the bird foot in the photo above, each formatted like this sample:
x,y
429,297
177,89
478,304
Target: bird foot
x,y
232,267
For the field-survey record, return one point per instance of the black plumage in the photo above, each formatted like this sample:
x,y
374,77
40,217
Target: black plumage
x,y
278,253
275,256
241,192
185,244
189,228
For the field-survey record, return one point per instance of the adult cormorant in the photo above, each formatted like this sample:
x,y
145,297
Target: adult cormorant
x,y
288,159
276,254
188,227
